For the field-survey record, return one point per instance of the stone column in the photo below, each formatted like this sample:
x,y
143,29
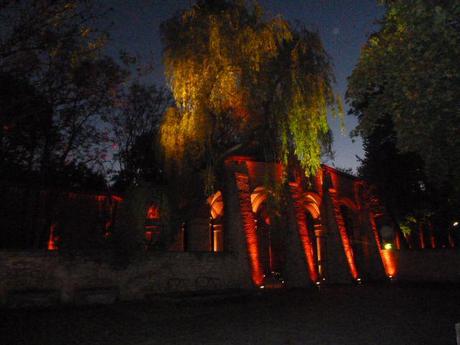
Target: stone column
x,y
249,227
303,231
338,262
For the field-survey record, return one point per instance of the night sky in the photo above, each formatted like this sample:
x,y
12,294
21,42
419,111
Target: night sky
x,y
344,26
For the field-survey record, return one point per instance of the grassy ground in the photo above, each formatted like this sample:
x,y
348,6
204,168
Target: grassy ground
x,y
368,315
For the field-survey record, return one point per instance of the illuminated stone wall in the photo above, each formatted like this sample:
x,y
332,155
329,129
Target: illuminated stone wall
x,y
331,236
335,246
434,266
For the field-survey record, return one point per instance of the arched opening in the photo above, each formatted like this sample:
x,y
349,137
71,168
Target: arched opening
x,y
316,237
203,231
152,226
216,229
313,240
270,235
307,214
263,228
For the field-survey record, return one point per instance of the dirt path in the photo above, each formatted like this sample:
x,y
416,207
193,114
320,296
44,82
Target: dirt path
x,y
396,315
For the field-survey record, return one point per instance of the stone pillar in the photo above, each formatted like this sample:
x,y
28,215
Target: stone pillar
x,y
387,265
249,227
233,234
321,247
372,265
338,263
303,231
296,270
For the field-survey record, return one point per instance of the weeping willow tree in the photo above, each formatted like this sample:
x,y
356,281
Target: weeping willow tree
x,y
242,80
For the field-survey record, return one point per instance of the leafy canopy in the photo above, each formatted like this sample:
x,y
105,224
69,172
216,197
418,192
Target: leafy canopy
x,y
56,49
410,71
240,79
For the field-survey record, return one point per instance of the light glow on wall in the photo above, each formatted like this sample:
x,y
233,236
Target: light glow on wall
x,y
389,262
346,243
301,219
52,245
249,226
387,255
153,212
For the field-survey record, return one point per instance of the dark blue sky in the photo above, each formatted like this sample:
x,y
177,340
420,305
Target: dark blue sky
x,y
344,26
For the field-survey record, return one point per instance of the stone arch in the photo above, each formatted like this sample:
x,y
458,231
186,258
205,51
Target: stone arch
x,y
312,203
270,241
203,231
317,256
216,203
350,215
258,197
348,203
307,206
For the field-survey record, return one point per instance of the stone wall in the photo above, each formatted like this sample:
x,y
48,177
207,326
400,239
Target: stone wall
x,y
437,266
44,278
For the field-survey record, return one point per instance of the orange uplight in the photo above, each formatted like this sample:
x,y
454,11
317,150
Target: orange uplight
x,y
388,257
100,198
273,170
249,226
421,236
241,113
216,204
347,248
117,198
389,262
320,180
432,238
153,212
52,245
343,234
301,220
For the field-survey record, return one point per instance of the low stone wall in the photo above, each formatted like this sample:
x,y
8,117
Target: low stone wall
x,y
45,278
431,265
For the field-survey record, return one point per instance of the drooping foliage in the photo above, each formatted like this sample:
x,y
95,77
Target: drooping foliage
x,y
240,79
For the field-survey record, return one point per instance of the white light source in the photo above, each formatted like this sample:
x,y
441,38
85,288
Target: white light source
x,y
262,287
387,246
455,224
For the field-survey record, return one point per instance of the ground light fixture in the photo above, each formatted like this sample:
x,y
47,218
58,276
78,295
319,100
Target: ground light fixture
x,y
387,246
